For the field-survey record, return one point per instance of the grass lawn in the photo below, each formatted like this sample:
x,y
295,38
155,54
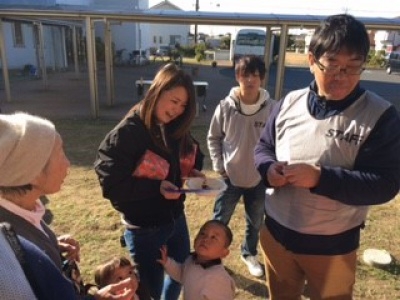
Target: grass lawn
x,y
79,209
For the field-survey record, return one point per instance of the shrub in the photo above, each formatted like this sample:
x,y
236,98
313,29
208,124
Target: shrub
x,y
200,51
187,51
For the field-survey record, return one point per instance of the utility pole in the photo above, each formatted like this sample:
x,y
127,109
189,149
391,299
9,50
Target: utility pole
x,y
195,25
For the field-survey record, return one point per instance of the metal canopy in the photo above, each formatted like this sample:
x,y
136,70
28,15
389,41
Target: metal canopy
x,y
86,16
194,17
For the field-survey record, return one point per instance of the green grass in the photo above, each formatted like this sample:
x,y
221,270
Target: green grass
x,y
80,209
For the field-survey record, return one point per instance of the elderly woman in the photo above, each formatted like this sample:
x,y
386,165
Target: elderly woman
x,y
33,164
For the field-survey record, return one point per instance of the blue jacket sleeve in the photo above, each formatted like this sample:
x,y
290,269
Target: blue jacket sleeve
x,y
264,151
375,178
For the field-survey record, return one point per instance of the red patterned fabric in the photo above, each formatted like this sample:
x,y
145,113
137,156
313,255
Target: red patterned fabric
x,y
152,166
187,163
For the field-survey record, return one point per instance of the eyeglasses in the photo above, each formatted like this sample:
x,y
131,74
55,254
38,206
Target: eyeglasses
x,y
334,70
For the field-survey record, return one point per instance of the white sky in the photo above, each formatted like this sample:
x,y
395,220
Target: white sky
x,y
366,8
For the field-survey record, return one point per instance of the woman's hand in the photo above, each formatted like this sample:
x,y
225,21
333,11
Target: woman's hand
x,y
69,247
169,190
196,173
123,290
164,255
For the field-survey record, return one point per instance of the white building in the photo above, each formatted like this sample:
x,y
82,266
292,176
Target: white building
x,y
22,36
387,40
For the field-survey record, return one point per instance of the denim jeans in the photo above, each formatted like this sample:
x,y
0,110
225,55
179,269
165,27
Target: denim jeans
x,y
253,199
144,246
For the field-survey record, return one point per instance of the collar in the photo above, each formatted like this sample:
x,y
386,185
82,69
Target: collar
x,y
321,108
248,109
34,217
206,264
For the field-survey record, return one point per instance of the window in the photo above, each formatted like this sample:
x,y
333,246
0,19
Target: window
x,y
175,39
160,39
250,39
18,35
154,40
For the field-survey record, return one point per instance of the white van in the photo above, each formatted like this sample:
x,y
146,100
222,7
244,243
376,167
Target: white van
x,y
249,42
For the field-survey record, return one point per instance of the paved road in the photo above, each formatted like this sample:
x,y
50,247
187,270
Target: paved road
x,y
67,96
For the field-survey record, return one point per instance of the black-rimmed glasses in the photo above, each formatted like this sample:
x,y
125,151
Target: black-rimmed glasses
x,y
334,70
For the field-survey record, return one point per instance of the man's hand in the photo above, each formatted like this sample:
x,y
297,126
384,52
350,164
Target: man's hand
x,y
302,175
275,174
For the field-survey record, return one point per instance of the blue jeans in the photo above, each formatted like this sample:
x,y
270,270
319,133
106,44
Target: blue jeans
x,y
253,199
144,246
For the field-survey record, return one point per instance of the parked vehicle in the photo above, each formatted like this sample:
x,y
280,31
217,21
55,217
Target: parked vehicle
x,y
393,62
164,50
250,41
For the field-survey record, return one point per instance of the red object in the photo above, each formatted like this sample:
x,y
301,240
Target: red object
x,y
152,166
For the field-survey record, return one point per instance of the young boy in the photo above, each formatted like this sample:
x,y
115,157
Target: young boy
x,y
328,152
203,275
234,131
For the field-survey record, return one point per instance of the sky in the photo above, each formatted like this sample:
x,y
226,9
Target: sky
x,y
366,8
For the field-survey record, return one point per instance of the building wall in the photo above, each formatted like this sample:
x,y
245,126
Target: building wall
x,y
74,2
387,40
123,35
165,34
29,2
19,56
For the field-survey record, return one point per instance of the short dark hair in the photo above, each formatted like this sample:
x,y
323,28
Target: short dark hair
x,y
250,64
227,230
339,32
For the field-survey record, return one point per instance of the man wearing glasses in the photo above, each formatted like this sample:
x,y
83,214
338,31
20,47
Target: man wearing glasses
x,y
328,152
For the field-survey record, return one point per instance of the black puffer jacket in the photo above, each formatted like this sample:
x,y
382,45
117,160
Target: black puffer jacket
x,y
138,199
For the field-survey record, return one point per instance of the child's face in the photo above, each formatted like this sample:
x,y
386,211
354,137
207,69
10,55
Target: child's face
x,y
210,243
122,273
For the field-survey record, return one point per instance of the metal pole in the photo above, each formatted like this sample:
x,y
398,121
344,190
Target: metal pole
x,y
280,73
197,7
4,64
91,57
109,63
75,51
42,61
267,55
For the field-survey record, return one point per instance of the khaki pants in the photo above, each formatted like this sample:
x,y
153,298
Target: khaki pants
x,y
328,277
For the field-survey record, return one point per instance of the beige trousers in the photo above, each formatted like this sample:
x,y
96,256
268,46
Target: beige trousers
x,y
328,277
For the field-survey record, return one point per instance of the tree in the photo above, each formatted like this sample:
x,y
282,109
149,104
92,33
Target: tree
x,y
226,42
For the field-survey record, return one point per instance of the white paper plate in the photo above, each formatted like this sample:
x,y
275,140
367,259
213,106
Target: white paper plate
x,y
213,186
377,257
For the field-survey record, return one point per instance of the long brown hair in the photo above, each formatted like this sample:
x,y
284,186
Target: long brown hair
x,y
167,78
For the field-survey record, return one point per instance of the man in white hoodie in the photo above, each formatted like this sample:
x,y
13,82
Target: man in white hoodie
x,y
235,128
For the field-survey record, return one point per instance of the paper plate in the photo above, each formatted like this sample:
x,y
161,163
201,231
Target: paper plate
x,y
377,257
206,186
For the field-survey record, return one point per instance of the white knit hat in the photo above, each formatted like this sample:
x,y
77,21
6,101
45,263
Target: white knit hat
x,y
26,143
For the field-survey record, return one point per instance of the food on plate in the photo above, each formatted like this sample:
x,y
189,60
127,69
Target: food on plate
x,y
205,186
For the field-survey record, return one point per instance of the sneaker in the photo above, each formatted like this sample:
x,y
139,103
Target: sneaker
x,y
253,265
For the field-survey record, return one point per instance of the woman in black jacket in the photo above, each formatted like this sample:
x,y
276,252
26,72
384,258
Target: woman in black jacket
x,y
141,166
